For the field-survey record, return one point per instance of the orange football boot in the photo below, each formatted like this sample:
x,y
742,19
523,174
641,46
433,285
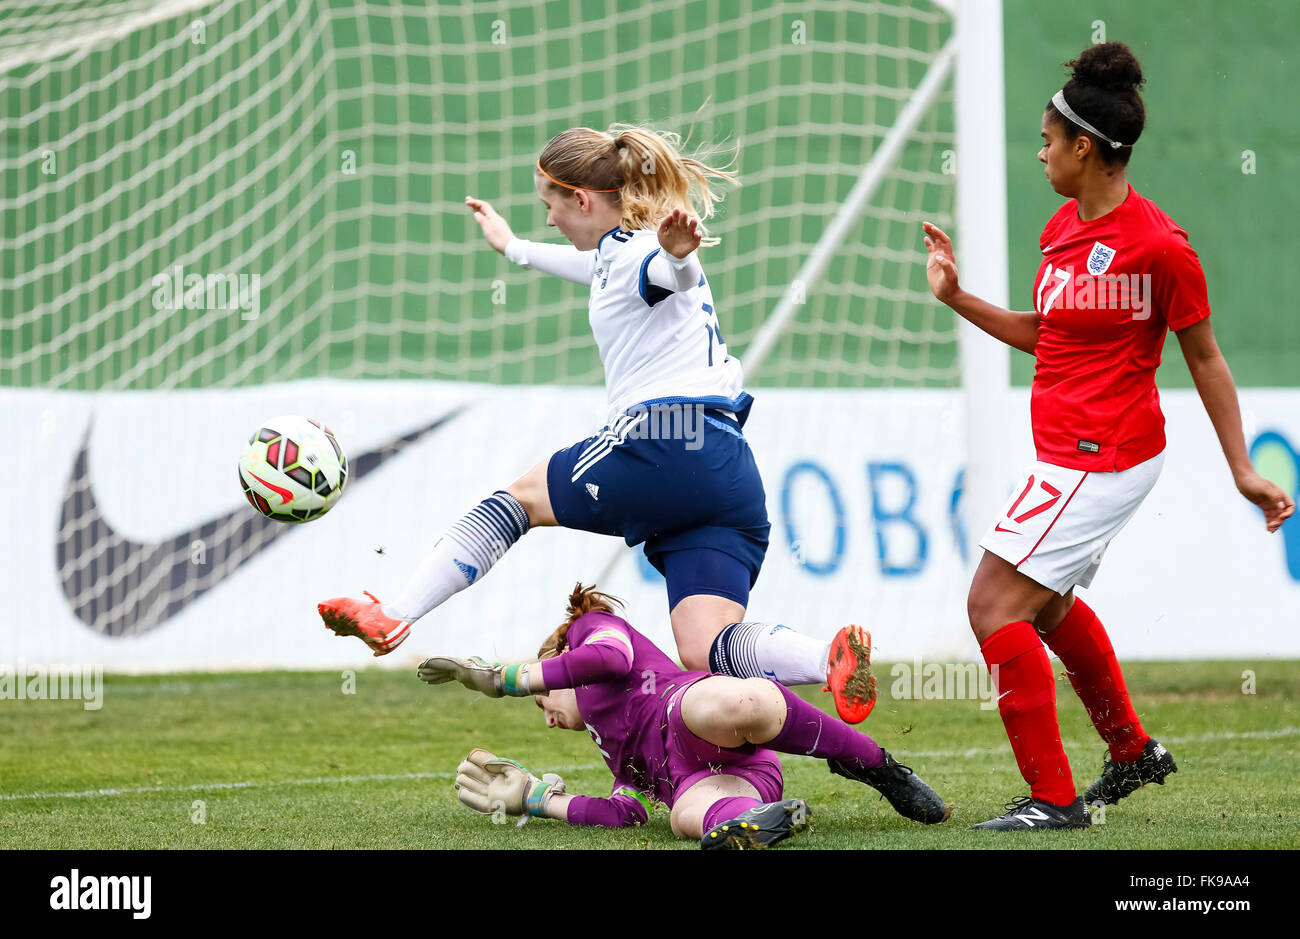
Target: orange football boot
x,y
848,674
366,621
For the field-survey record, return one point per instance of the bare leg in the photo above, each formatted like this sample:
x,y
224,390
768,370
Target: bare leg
x,y
1000,594
696,622
532,493
731,712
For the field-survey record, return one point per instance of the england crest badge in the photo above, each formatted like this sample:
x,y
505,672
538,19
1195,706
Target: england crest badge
x,y
1100,258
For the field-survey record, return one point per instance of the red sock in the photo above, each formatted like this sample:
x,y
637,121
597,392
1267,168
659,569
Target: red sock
x,y
1027,701
1083,647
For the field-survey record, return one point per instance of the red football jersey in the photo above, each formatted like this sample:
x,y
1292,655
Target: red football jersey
x,y
1106,292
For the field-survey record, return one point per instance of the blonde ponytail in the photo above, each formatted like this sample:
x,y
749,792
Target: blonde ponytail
x,y
644,169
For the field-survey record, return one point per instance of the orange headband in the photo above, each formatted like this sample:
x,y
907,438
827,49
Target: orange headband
x,y
566,185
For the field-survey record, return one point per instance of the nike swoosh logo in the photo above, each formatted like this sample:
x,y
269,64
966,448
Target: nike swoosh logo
x,y
999,527
119,587
284,494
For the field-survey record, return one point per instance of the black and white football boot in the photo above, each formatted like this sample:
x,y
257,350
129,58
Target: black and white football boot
x,y
1120,779
1030,814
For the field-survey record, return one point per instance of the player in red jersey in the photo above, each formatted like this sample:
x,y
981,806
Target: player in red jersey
x,y
1116,274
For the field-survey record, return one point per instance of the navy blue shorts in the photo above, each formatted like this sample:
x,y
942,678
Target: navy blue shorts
x,y
678,479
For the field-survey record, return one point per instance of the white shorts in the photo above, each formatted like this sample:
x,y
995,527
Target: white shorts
x,y
1058,522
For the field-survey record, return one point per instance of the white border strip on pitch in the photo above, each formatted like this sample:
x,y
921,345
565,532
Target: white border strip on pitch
x,y
967,753
1075,744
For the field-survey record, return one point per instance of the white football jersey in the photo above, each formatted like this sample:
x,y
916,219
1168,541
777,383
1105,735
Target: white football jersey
x,y
657,345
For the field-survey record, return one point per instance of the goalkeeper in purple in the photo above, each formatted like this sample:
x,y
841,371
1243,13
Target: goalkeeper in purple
x,y
705,745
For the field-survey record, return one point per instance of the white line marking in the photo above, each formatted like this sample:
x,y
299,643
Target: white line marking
x,y
315,781
967,753
970,752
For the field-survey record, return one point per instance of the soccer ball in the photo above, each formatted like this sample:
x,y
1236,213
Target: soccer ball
x,y
293,469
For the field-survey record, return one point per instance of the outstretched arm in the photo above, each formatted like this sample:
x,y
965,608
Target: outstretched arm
x,y
1018,330
605,655
561,260
624,807
490,784
1219,395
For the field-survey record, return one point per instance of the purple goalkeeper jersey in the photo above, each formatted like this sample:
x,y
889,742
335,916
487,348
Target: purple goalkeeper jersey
x,y
626,714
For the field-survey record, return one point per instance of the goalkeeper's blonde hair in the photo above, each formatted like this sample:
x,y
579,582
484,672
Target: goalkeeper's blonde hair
x,y
582,600
640,169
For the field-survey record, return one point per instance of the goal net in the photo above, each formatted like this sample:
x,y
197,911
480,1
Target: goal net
x,y
232,193
239,194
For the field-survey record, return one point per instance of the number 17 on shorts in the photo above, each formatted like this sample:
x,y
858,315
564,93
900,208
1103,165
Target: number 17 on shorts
x,y
1058,521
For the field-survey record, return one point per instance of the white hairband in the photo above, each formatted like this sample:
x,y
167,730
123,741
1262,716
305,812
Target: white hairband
x,y
1058,100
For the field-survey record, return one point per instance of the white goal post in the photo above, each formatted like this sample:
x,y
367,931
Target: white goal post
x,y
981,249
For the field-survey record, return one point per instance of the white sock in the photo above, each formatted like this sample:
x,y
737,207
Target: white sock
x,y
770,650
462,556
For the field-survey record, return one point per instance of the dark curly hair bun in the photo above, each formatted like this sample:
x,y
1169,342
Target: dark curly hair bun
x,y
1111,66
1103,90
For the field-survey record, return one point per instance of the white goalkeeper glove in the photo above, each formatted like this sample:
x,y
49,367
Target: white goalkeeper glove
x,y
490,784
490,678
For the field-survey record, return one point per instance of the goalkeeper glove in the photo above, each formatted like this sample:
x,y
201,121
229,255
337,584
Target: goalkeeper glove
x,y
489,784
490,678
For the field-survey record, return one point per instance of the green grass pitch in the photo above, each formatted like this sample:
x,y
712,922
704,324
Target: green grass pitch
x,y
287,760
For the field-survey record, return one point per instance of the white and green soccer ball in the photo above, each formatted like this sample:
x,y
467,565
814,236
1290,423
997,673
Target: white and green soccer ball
x,y
293,469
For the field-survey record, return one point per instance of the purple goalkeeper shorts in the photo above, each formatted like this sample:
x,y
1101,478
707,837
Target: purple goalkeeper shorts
x,y
691,759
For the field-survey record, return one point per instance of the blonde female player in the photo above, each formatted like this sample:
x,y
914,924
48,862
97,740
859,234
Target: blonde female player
x,y
705,745
1099,434
630,204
